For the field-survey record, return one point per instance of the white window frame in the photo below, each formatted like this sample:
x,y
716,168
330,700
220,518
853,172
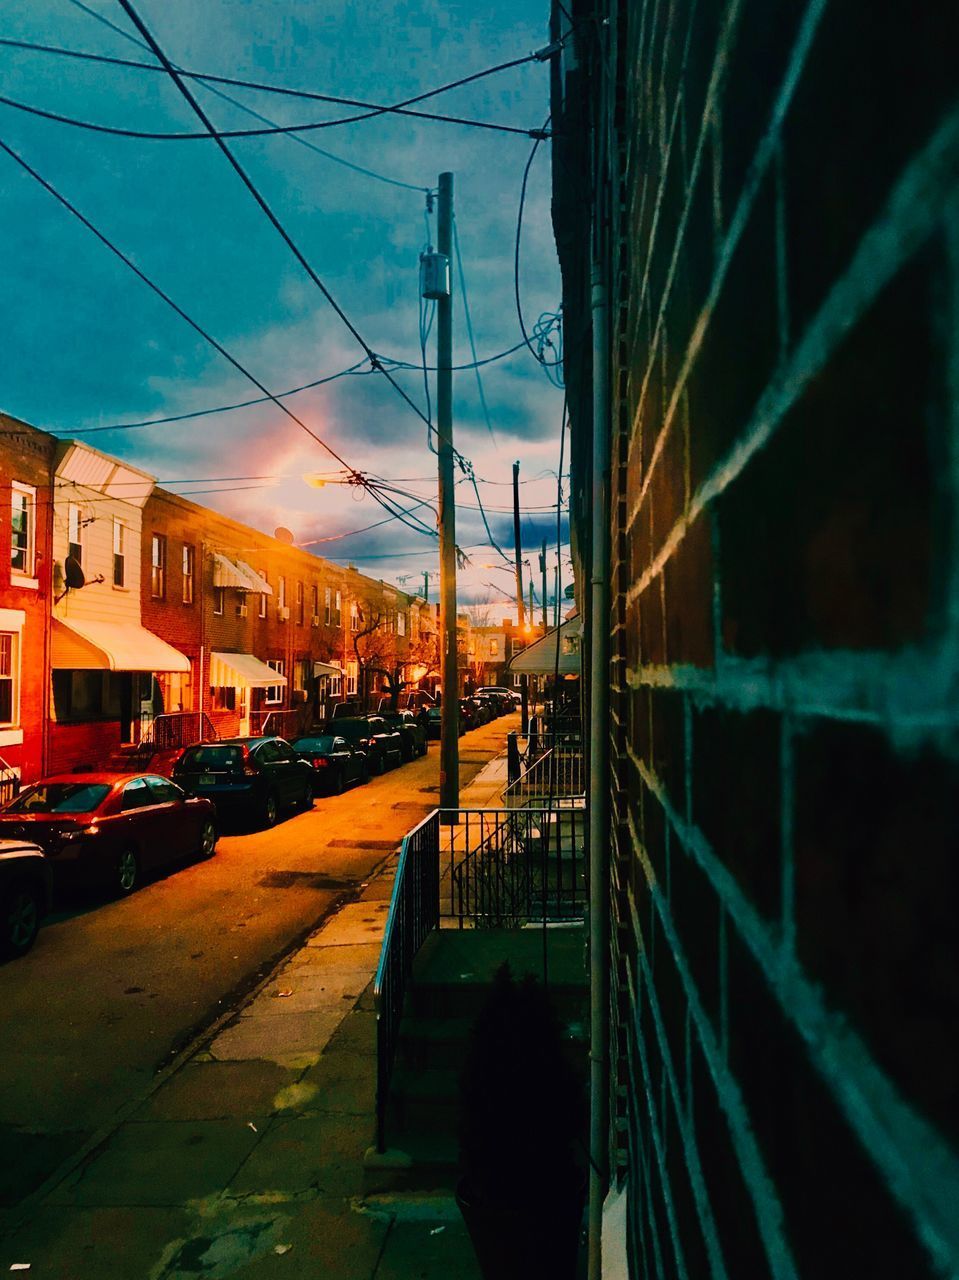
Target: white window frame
x,y
159,560
354,616
273,694
12,624
327,606
261,611
300,603
119,553
28,495
401,623
75,532
281,592
219,599
352,677
188,562
10,655
338,611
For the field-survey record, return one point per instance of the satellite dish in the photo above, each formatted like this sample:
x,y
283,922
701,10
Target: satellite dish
x,y
282,534
73,574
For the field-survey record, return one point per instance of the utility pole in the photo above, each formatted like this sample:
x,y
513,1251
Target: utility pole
x,y
426,585
542,565
449,726
520,610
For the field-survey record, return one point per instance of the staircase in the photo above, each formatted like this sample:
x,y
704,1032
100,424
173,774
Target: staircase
x,y
450,980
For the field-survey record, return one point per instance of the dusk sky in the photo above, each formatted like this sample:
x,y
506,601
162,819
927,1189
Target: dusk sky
x,y
87,345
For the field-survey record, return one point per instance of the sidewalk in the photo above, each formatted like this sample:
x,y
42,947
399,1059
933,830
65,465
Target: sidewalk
x,y
247,1160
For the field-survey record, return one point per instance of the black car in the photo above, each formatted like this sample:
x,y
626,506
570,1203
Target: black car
x,y
383,745
412,731
252,778
25,889
435,721
489,708
335,762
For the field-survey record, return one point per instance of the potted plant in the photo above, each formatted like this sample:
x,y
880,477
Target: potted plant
x,y
522,1119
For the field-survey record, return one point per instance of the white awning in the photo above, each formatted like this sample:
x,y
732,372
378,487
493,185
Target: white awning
x,y
242,671
539,658
326,669
239,576
260,583
111,646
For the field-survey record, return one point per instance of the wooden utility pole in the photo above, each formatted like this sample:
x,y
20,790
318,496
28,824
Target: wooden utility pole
x,y
520,607
542,565
449,720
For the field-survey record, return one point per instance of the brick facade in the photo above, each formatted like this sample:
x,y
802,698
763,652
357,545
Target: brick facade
x,y
776,193
26,459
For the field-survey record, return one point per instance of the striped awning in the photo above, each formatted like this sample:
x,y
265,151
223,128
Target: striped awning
x,y
242,671
111,646
238,575
326,669
539,658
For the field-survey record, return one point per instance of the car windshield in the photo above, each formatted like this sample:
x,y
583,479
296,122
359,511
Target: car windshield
x,y
324,743
211,758
60,797
353,728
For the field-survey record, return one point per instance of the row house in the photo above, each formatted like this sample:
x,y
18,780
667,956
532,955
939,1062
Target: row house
x,y
131,614
492,648
26,526
274,635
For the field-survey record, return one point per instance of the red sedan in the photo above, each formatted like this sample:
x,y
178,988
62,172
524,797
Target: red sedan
x,y
110,828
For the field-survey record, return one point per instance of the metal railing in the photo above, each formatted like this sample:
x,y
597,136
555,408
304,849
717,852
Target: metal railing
x,y
181,729
281,724
413,915
9,782
504,868
554,772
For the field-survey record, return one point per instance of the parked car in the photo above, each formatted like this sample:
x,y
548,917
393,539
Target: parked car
x,y
435,720
109,828
382,744
412,731
486,708
335,762
469,713
510,696
249,778
25,891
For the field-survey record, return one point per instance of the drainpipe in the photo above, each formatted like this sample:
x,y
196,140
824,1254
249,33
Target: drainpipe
x,y
598,799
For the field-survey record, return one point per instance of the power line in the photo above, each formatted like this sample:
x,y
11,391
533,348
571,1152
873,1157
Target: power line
x,y
542,337
261,201
469,330
155,288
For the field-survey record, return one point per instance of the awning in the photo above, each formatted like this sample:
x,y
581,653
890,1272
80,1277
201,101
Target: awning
x,y
111,646
260,583
242,671
540,657
326,669
238,575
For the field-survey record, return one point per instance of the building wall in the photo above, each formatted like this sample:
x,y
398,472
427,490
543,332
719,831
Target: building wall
x,y
26,456
780,190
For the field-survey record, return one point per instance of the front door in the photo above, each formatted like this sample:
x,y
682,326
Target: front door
x,y
243,707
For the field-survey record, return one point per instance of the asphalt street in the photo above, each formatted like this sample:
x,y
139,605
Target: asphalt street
x,y
112,991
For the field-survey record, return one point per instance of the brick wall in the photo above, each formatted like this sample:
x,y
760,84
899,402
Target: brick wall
x,y
779,198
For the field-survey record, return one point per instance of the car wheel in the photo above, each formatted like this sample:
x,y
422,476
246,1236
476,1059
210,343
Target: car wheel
x,y
381,764
208,839
364,774
339,783
270,812
20,920
127,873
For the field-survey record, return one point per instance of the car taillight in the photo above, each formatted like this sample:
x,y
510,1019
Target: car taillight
x,y
319,762
250,766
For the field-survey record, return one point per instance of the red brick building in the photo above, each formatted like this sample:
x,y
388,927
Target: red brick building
x,y
26,524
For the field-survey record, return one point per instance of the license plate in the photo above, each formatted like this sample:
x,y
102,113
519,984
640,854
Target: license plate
x,y
207,780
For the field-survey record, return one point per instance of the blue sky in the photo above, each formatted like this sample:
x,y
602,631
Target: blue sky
x,y
87,345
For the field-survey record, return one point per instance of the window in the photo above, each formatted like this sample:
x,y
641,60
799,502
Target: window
x,y
334,687
136,795
493,647
401,623
23,504
189,564
315,599
9,677
74,533
164,791
119,553
352,673
337,612
299,604
274,692
281,593
224,698
302,671
390,622
354,616
219,597
327,611
158,567
262,609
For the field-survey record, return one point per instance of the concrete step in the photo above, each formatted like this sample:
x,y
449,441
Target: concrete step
x,y
423,1101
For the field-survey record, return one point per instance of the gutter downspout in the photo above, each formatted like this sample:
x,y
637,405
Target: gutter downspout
x,y
598,799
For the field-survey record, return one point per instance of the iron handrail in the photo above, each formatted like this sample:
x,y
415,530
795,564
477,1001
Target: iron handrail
x,y
414,913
